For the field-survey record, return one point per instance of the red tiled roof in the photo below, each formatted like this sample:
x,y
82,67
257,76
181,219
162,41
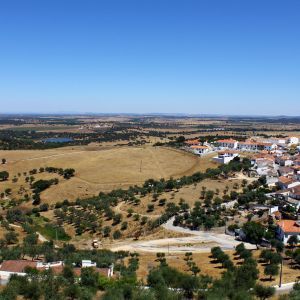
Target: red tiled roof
x,y
199,147
289,226
285,180
248,143
227,151
227,141
17,266
295,190
192,142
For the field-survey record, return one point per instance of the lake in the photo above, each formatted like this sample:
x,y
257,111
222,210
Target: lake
x,y
58,140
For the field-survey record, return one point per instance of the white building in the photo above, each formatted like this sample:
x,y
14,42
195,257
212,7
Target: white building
x,y
277,141
88,264
18,267
287,182
199,150
286,229
227,144
267,146
293,140
247,146
225,156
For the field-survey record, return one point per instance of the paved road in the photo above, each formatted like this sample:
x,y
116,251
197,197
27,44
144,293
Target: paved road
x,y
197,241
223,240
285,288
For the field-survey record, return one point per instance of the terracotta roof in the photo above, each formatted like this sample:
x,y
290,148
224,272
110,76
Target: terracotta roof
x,y
227,151
289,226
285,158
295,190
285,180
199,147
227,141
192,142
248,143
264,155
17,266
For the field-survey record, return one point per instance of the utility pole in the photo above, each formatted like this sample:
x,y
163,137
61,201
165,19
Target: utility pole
x,y
141,166
280,277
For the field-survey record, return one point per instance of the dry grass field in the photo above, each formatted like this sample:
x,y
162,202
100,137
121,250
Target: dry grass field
x,y
203,260
99,168
188,193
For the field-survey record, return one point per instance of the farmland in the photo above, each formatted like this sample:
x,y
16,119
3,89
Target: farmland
x,y
101,169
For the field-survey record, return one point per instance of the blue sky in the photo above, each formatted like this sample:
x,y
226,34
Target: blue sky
x,y
142,56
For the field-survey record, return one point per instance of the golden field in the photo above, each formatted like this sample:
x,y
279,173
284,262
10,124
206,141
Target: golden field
x,y
98,168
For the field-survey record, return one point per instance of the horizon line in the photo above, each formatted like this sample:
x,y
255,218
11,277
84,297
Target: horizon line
x,y
146,114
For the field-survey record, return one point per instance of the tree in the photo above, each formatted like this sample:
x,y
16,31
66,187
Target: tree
x,y
264,292
161,257
89,277
162,202
254,232
129,212
4,175
271,270
246,275
240,248
150,207
117,234
11,237
295,293
3,161
106,231
68,274
124,225
68,173
117,219
293,241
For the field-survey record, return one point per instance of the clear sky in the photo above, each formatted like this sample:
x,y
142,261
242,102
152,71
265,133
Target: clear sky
x,y
142,56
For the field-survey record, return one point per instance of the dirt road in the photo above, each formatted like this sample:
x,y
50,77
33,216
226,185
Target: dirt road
x,y
201,241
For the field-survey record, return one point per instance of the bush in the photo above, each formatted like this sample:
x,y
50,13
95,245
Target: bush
x,y
117,234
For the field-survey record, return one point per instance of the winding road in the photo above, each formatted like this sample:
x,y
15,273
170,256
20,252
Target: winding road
x,y
197,241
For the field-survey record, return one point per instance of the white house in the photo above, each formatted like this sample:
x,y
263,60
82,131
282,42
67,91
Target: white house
x,y
287,182
18,267
225,156
248,146
267,146
198,149
277,141
286,229
284,161
227,143
88,264
293,140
